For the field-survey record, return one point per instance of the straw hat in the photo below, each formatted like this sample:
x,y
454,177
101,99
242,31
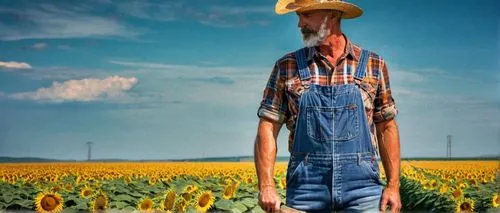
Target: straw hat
x,y
349,10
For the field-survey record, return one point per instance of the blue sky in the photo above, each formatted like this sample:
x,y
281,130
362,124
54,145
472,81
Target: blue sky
x,y
183,79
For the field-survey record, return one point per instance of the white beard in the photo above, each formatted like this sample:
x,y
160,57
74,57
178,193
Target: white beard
x,y
317,38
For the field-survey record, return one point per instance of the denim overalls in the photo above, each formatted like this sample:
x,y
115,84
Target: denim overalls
x,y
333,164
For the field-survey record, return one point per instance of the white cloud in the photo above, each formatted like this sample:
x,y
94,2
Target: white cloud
x,y
147,65
148,10
14,65
241,10
195,70
63,47
62,73
227,86
406,76
88,89
218,16
39,46
42,21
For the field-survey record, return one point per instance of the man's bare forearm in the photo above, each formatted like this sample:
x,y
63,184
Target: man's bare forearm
x,y
265,150
389,147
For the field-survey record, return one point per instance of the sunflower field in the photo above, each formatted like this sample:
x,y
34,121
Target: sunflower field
x,y
449,186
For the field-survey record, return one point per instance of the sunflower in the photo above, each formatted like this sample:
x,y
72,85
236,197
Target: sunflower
x,y
49,202
145,204
168,200
190,188
166,179
56,188
153,180
495,200
228,192
484,180
127,179
187,196
463,185
78,180
86,192
464,205
282,183
249,180
99,203
227,180
181,205
473,181
68,187
444,189
204,201
54,178
434,184
236,183
457,193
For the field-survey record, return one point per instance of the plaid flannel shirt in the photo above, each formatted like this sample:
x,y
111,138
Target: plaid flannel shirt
x,y
280,96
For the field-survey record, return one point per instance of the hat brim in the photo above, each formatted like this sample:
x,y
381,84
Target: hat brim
x,y
350,10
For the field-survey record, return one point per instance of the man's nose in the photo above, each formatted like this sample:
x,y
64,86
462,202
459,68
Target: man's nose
x,y
300,23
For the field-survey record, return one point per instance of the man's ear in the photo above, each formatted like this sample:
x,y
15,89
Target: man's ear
x,y
336,14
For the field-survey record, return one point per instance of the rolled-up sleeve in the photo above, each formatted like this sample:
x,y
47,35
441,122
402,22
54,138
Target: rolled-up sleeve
x,y
385,106
274,103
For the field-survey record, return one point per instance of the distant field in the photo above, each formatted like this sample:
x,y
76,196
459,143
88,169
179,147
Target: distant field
x,y
449,186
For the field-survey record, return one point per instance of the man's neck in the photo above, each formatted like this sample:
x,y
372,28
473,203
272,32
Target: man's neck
x,y
333,46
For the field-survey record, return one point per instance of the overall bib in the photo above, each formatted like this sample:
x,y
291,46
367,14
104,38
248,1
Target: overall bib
x,y
333,164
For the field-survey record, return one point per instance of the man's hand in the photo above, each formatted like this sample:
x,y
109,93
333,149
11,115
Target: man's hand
x,y
391,197
269,200
388,138
265,156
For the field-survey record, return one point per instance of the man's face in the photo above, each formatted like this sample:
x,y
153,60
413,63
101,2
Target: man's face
x,y
314,26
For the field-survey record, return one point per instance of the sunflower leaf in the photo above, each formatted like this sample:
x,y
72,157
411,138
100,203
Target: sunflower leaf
x,y
128,208
122,190
226,205
135,194
28,204
118,204
257,209
241,207
123,197
81,206
418,202
72,197
71,209
249,202
8,198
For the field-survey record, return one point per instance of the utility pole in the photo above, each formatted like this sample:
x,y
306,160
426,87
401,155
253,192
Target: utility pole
x,y
448,147
89,143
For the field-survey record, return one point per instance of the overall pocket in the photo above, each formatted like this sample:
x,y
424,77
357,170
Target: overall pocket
x,y
295,164
373,169
332,123
346,123
320,123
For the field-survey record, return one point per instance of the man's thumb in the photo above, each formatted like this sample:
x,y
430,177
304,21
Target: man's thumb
x,y
277,206
383,204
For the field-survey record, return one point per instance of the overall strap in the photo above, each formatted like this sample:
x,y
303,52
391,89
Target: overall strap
x,y
300,56
363,61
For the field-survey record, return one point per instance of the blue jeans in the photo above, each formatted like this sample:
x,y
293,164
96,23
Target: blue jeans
x,y
352,185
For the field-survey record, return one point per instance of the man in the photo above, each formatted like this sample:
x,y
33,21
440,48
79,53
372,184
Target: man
x,y
335,98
